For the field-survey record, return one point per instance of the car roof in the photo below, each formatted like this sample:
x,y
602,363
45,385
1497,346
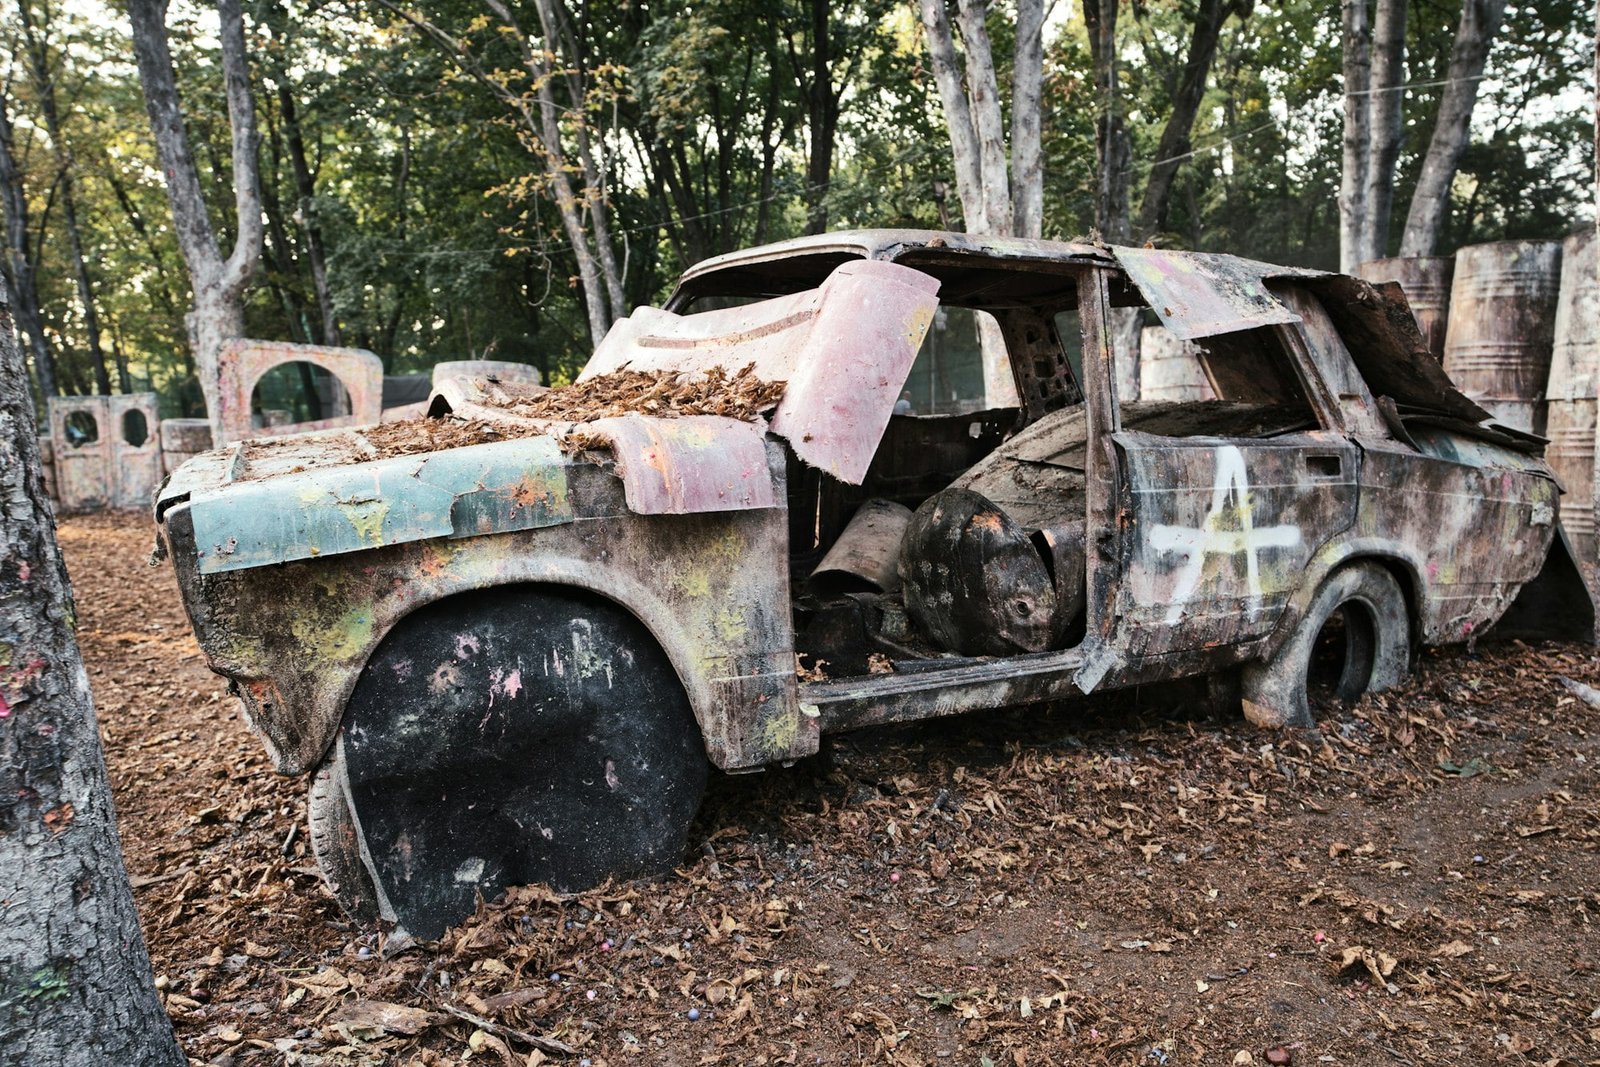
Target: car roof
x,y
889,243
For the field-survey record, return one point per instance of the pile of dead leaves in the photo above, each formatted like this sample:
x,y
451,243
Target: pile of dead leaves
x,y
665,393
407,437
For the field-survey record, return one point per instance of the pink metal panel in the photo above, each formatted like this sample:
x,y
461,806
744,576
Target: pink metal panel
x,y
1200,295
844,349
693,464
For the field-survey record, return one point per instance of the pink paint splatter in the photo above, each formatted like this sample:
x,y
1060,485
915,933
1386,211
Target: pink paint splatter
x,y
23,571
512,685
5,709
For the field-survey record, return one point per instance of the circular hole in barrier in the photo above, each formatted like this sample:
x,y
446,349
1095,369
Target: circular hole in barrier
x,y
82,428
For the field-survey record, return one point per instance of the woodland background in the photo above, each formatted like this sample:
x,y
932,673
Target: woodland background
x,y
411,205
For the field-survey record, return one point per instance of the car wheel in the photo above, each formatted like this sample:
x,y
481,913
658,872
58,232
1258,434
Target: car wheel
x,y
508,737
1354,638
336,842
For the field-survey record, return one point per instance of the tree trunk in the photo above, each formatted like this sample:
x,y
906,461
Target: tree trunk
x,y
162,290
1385,110
769,149
15,199
219,284
44,86
306,211
978,143
75,982
983,90
1112,149
1357,136
542,123
559,31
1175,145
957,112
815,81
1430,202
1027,156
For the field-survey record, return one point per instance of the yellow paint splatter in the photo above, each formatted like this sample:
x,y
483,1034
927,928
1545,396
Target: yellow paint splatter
x,y
341,638
695,582
366,517
731,625
778,734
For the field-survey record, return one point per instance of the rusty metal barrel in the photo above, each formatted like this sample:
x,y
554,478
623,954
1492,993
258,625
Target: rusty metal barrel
x,y
1169,369
1574,377
1426,282
1502,326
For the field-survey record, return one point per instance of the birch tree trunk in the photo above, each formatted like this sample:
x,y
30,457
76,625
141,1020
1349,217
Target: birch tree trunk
x,y
1027,89
598,273
1430,202
957,112
1385,110
983,92
558,31
993,196
219,284
75,982
1357,134
15,201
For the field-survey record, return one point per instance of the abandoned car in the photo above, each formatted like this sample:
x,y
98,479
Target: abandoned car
x,y
511,656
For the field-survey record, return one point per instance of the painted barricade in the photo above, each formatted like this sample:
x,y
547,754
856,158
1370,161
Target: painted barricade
x,y
107,451
1169,368
182,440
243,363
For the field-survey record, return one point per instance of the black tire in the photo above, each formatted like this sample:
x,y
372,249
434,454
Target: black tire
x,y
1373,653
336,843
508,737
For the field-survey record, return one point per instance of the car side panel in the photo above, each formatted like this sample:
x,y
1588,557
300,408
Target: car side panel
x,y
1219,532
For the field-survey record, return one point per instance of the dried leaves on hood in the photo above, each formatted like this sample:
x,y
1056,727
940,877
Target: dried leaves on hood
x,y
667,394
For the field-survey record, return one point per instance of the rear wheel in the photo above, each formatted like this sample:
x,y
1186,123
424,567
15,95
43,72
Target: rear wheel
x,y
503,738
1354,638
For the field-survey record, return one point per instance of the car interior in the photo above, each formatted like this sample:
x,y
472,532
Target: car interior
x,y
966,537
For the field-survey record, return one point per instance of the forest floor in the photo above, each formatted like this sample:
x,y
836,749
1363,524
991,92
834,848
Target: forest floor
x,y
1415,883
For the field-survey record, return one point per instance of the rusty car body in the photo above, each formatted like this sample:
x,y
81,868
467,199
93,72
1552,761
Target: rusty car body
x,y
512,661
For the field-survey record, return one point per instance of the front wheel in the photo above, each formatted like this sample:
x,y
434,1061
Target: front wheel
x,y
1354,638
503,738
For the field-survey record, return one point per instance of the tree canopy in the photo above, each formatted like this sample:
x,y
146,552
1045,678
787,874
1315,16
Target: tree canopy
x,y
454,179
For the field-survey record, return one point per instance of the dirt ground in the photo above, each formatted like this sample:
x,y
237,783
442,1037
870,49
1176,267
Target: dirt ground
x,y
1415,883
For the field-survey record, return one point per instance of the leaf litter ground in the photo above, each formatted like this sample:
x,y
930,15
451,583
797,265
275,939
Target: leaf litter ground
x,y
1414,883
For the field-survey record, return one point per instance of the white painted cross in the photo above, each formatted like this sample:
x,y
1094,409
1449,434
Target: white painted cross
x,y
1230,491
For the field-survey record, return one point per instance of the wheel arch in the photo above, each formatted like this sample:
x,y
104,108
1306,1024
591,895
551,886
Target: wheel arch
x,y
1403,564
619,590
